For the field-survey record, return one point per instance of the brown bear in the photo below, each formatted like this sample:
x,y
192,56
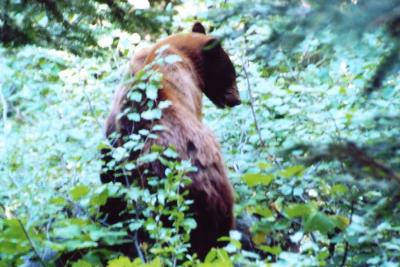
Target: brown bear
x,y
204,67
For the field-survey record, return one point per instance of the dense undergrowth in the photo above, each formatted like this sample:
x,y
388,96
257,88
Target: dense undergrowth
x,y
315,167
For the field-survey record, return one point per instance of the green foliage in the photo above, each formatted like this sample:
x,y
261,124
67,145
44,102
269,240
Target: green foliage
x,y
80,26
164,199
315,175
125,262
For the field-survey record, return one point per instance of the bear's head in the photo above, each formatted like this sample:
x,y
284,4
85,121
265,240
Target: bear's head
x,y
213,66
216,70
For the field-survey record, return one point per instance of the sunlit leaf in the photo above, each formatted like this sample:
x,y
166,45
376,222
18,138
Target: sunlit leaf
x,y
299,210
253,179
121,262
296,170
79,192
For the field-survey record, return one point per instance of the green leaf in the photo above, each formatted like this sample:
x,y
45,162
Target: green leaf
x,y
151,91
323,255
258,238
69,231
299,210
99,198
154,263
121,262
151,114
58,201
339,189
341,221
164,104
218,257
253,179
82,263
135,95
296,170
191,223
135,225
273,250
129,166
262,165
79,192
235,235
133,116
12,247
319,222
147,158
263,211
170,153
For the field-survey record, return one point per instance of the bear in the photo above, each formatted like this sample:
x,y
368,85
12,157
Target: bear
x,y
204,68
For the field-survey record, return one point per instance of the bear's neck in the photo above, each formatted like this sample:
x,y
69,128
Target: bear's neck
x,y
182,86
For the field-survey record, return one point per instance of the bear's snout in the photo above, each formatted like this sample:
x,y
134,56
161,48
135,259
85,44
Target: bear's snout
x,y
232,97
231,102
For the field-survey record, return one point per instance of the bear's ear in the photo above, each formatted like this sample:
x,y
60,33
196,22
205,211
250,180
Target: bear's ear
x,y
212,46
199,28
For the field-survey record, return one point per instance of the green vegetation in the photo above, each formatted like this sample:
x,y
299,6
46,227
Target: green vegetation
x,y
313,152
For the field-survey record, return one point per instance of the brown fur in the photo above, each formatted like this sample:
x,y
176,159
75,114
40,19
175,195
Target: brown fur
x,y
204,67
138,59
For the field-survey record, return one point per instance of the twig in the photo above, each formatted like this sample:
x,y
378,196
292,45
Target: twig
x,y
384,67
137,247
246,74
245,63
349,150
362,158
346,252
346,246
31,243
91,108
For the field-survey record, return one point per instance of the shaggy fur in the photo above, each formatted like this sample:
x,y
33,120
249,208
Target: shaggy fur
x,y
204,68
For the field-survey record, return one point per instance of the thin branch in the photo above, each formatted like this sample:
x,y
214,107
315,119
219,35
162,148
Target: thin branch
x,y
362,158
346,246
246,74
137,247
91,108
345,254
82,82
350,150
245,63
31,243
387,63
